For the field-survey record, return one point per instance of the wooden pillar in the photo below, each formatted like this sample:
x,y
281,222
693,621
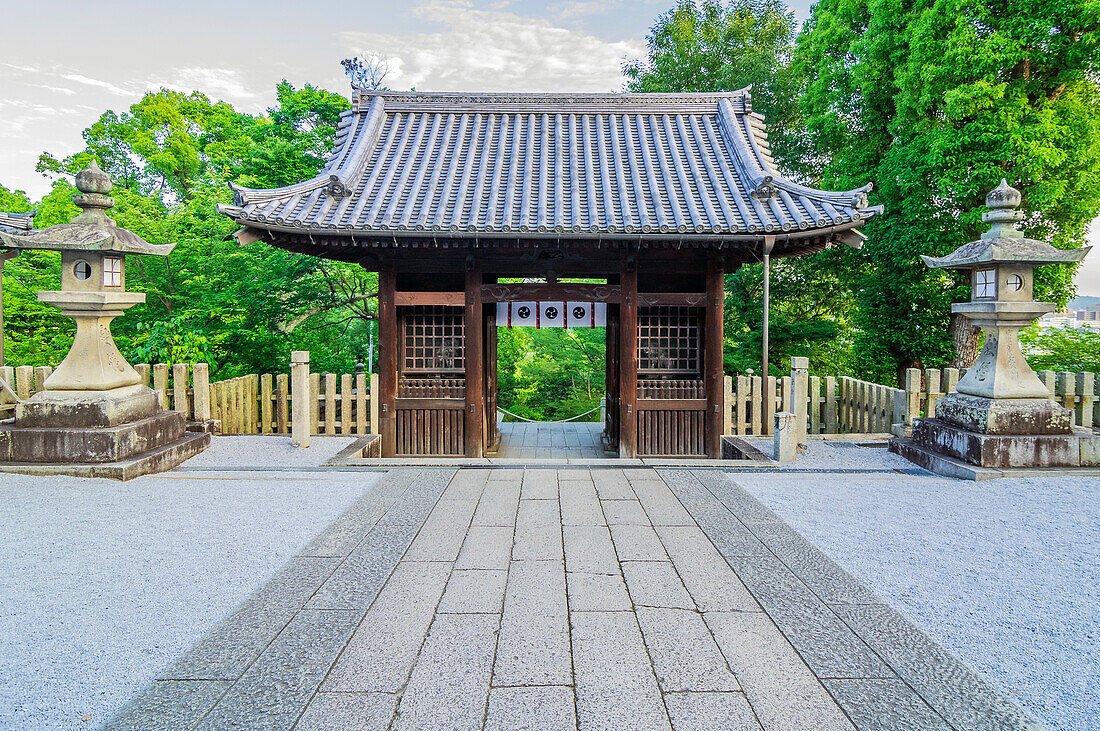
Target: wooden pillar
x,y
712,359
475,363
387,360
628,360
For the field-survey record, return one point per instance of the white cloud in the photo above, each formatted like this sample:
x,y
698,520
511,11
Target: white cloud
x,y
582,8
495,50
217,83
114,89
59,89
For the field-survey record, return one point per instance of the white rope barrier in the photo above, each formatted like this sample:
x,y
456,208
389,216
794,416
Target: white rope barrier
x,y
556,421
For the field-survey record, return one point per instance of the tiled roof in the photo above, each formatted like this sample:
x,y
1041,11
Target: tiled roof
x,y
16,222
559,165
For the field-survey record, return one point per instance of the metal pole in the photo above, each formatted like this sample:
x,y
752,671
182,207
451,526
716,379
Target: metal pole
x,y
769,244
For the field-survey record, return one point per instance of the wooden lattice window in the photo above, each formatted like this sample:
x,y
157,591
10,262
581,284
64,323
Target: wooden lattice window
x,y
668,340
434,340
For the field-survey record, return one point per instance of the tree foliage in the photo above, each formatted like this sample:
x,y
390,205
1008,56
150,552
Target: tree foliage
x,y
712,46
935,101
242,308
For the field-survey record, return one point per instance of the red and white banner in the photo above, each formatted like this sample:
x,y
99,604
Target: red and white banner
x,y
551,314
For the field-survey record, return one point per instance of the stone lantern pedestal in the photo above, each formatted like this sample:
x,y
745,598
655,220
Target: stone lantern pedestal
x,y
95,417
1001,416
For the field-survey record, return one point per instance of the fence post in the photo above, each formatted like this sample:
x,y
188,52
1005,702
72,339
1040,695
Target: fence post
x,y
299,394
330,403
282,404
768,421
933,377
143,371
375,406
800,366
950,380
160,383
179,390
912,395
830,405
741,407
200,391
1085,387
728,405
360,402
346,401
41,373
314,403
1048,378
757,407
1066,382
784,437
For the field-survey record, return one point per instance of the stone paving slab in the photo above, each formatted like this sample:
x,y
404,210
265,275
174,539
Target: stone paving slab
x,y
449,687
710,712
539,708
616,686
534,647
855,643
603,598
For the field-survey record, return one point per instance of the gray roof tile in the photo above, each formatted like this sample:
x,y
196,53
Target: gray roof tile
x,y
568,165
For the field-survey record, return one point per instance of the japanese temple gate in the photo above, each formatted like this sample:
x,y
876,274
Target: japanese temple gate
x,y
655,196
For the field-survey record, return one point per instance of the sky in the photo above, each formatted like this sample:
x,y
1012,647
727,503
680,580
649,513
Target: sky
x,y
62,63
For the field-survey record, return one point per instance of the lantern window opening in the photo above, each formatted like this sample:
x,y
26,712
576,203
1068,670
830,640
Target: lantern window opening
x,y
985,284
1015,282
82,270
112,271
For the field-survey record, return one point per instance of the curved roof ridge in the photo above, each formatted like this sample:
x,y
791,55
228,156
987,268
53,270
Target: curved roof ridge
x,y
346,160
753,154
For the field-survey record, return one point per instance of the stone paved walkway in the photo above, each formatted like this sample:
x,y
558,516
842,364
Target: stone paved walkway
x,y
598,599
541,440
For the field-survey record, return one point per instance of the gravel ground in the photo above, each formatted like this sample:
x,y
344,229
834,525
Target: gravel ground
x,y
1005,573
102,584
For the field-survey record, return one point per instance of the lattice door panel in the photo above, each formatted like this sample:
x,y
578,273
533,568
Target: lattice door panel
x,y
434,340
669,340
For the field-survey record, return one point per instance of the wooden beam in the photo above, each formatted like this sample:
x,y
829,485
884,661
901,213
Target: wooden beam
x,y
387,360
683,299
475,363
672,404
450,299
628,359
712,359
557,292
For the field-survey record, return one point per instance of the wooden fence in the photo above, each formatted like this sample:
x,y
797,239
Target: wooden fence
x,y
844,405
253,404
341,404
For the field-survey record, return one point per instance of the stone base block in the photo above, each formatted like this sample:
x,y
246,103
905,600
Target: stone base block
x,y
156,460
998,450
950,467
86,409
96,445
1004,416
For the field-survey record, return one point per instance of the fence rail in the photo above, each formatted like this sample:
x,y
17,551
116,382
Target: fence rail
x,y
252,404
844,405
342,403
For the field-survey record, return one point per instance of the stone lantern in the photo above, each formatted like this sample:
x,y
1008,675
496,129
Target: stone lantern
x,y
1002,414
95,409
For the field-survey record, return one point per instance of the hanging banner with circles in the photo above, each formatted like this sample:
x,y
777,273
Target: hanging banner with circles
x,y
551,313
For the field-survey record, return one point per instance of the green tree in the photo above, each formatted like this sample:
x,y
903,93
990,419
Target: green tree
x,y
243,308
935,101
1062,349
709,45
714,46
